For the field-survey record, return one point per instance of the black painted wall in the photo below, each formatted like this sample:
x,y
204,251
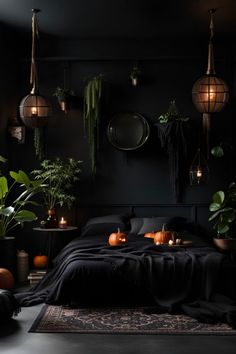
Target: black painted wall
x,y
169,70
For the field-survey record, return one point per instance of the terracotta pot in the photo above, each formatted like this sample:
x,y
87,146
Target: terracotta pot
x,y
226,244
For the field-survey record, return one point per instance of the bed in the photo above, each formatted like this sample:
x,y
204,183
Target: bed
x,y
197,280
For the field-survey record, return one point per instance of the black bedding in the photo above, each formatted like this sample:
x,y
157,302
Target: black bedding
x,y
197,280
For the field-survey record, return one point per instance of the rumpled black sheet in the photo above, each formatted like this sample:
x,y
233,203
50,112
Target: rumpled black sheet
x,y
176,279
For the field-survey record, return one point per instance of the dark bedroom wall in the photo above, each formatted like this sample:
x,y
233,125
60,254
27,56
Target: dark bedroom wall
x,y
168,72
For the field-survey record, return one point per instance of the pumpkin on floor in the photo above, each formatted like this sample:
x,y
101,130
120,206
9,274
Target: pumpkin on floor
x,y
6,279
163,236
117,238
40,261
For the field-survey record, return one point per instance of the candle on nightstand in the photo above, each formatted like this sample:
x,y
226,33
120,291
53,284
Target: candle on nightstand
x,y
62,223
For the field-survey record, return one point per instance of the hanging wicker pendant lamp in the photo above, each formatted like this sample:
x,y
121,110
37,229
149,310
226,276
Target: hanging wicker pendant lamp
x,y
34,108
210,93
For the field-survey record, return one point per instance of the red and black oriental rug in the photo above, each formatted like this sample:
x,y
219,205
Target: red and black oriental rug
x,y
59,319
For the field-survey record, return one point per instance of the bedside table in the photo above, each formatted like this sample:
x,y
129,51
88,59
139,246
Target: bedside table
x,y
52,242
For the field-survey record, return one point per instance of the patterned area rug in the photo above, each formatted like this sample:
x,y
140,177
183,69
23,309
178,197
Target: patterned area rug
x,y
59,319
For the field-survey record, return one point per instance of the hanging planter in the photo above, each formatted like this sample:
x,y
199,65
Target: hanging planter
x,y
171,132
64,98
135,76
92,111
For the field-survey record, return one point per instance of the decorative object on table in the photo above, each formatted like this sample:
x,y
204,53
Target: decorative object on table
x,y
59,179
199,170
164,236
171,132
63,223
135,75
7,280
210,93
91,116
118,238
40,261
22,265
128,131
35,108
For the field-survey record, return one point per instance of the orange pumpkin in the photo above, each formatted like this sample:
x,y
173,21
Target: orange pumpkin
x,y
163,236
6,279
117,238
40,261
150,234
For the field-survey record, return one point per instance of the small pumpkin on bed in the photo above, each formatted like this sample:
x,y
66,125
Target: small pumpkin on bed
x,y
163,236
150,234
118,238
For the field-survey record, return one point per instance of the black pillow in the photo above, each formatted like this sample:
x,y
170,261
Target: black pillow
x,y
142,225
103,225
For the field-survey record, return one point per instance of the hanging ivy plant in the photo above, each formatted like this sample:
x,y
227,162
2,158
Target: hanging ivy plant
x,y
39,142
92,110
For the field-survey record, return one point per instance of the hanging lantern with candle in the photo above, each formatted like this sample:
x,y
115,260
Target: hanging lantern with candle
x,y
35,108
210,93
199,170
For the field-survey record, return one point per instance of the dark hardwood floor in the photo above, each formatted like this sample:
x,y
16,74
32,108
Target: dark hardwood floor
x,y
15,339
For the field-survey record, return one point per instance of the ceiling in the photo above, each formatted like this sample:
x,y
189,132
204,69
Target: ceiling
x,y
122,18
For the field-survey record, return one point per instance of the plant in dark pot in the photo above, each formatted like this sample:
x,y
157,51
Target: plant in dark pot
x,y
15,200
223,207
59,179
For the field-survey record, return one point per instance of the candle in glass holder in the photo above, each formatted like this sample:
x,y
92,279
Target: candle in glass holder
x,y
62,223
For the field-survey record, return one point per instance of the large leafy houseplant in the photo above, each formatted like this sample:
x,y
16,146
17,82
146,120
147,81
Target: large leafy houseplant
x,y
15,199
59,178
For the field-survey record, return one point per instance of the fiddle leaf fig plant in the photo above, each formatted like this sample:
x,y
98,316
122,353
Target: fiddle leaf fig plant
x,y
15,212
223,207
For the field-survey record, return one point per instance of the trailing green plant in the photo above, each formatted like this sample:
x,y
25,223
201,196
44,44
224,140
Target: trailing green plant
x,y
172,114
39,142
92,112
63,94
21,190
223,207
135,72
59,179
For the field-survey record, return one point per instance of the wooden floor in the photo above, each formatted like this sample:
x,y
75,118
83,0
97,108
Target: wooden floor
x,y
15,339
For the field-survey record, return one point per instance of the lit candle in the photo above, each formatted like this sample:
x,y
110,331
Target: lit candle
x,y
62,223
34,111
199,173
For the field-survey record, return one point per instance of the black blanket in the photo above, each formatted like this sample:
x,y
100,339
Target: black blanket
x,y
187,279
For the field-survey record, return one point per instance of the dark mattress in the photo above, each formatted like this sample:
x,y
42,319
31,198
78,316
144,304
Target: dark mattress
x,y
196,280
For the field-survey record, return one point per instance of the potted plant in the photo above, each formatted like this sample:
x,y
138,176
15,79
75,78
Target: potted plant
x,y
223,207
59,178
15,198
63,96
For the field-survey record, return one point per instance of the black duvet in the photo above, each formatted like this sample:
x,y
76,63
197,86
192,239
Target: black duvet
x,y
197,280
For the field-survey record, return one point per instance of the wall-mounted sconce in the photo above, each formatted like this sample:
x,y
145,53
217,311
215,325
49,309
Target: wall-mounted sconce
x,y
210,93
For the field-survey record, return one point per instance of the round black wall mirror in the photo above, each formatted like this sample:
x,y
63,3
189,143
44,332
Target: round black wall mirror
x,y
128,131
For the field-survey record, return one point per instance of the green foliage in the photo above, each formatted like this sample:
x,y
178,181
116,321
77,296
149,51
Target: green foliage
x,y
92,110
63,94
223,207
172,114
39,142
217,151
59,177
14,213
135,72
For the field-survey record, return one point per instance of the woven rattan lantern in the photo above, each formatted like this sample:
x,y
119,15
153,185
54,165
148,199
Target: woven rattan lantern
x,y
210,93
34,108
